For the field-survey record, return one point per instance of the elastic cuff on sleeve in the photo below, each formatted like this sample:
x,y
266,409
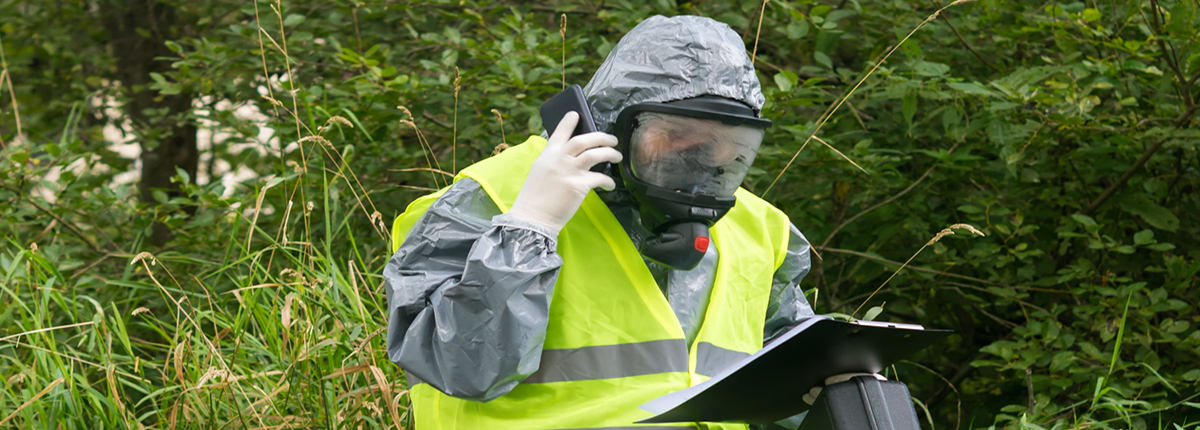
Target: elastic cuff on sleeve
x,y
506,220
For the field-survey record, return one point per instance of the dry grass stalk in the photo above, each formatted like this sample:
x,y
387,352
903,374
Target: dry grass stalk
x,y
386,389
454,132
945,232
287,63
835,150
262,52
761,12
356,187
40,330
286,315
5,77
562,33
430,157
257,209
503,138
35,398
825,118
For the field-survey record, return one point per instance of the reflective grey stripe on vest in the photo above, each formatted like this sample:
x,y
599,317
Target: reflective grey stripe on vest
x,y
611,361
712,359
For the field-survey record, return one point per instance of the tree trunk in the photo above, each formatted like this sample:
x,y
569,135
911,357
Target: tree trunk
x,y
137,31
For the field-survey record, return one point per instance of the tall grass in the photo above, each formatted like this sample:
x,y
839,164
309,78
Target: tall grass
x,y
284,335
278,329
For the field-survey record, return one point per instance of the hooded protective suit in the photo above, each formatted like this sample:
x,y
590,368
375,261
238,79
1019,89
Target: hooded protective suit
x,y
478,343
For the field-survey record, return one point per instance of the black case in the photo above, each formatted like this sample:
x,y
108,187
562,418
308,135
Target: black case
x,y
571,99
863,403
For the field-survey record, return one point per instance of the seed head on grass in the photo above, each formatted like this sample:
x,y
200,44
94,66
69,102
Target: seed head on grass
x,y
945,232
318,139
334,120
950,230
273,101
144,256
500,118
210,374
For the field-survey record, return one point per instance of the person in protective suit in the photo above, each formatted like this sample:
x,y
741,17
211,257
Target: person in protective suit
x,y
536,293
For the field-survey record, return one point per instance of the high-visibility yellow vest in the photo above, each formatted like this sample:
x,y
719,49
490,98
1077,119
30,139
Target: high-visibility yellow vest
x,y
612,340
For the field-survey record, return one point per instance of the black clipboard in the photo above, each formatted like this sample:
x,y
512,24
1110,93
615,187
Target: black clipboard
x,y
768,385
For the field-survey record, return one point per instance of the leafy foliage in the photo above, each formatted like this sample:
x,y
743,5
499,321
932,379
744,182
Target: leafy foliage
x,y
1064,131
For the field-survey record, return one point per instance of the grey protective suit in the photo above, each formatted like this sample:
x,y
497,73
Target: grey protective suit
x,y
470,288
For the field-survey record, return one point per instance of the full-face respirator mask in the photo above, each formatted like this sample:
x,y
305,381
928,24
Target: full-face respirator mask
x,y
683,161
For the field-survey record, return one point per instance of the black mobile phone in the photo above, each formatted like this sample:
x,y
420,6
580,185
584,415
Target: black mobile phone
x,y
571,99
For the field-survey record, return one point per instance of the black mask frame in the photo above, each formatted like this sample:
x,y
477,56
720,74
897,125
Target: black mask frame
x,y
679,220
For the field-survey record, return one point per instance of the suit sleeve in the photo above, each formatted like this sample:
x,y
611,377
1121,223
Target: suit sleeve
x,y
469,295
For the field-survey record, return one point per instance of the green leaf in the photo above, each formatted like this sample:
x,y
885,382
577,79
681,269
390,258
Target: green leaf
x,y
1191,375
160,196
971,88
797,29
1143,237
910,109
293,19
786,80
872,313
183,175
929,68
1083,219
1161,247
1155,215
912,50
823,59
1090,15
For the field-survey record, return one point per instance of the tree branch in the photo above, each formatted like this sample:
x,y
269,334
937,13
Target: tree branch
x,y
897,263
946,18
886,201
1184,119
64,222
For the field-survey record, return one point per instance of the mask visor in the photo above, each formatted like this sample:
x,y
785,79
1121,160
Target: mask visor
x,y
692,155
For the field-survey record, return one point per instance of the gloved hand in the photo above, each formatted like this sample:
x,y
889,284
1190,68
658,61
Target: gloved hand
x,y
811,397
560,179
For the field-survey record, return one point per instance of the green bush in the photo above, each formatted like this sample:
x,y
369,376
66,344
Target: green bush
x,y
1065,132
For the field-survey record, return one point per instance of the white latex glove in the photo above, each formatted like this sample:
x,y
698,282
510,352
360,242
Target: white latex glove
x,y
560,179
811,397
